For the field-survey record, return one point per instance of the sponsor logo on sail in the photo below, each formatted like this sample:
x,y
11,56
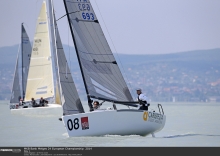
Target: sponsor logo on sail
x,y
85,123
42,22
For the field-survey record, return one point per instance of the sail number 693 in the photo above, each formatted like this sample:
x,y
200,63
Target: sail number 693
x,y
88,16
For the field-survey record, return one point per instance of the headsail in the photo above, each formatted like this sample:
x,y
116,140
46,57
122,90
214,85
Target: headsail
x,y
102,76
70,99
25,56
40,75
53,44
69,96
16,89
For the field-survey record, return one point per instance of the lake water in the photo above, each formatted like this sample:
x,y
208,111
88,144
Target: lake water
x,y
187,125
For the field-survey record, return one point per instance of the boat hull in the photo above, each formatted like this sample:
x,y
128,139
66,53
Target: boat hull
x,y
114,122
50,109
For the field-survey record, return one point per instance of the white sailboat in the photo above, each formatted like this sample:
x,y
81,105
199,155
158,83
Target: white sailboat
x,y
23,60
40,74
103,81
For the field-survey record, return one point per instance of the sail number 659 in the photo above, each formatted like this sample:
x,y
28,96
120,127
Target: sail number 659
x,y
73,124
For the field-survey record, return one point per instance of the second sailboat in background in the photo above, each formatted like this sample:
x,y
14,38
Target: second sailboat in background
x,y
40,74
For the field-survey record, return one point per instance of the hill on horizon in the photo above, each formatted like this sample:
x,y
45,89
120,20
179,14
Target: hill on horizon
x,y
9,55
186,75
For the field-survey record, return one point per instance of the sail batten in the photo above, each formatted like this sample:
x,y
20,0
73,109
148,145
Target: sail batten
x,y
94,53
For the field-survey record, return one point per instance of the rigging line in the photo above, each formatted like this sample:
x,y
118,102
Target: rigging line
x,y
66,14
114,47
69,49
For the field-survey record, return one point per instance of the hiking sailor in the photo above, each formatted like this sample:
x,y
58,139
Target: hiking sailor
x,y
142,99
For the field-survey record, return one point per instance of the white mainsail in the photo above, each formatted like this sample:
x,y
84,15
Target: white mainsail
x,y
40,75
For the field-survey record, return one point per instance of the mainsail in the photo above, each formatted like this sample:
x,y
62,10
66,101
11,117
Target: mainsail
x,y
25,58
16,89
66,88
40,75
101,74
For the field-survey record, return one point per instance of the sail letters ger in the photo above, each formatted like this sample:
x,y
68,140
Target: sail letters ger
x,y
103,77
40,76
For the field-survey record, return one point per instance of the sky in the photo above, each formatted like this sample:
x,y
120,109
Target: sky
x,y
130,27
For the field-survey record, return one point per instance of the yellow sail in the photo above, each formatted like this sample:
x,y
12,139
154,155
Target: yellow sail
x,y
40,76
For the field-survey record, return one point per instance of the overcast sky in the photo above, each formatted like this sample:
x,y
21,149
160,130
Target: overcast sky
x,y
134,26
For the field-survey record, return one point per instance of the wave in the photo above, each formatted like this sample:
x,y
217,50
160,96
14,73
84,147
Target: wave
x,y
111,135
189,135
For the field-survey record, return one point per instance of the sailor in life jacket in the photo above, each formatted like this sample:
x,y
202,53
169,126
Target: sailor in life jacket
x,y
142,99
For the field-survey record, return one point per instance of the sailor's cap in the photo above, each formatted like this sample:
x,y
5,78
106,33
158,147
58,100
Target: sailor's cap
x,y
138,89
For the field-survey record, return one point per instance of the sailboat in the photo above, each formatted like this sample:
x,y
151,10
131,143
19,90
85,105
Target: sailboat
x,y
102,79
40,74
23,59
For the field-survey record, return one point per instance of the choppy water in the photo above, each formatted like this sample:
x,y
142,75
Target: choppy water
x,y
187,125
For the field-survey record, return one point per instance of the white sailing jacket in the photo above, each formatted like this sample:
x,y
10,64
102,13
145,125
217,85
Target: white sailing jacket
x,y
142,97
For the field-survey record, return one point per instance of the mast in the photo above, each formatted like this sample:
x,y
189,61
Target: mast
x,y
80,65
22,64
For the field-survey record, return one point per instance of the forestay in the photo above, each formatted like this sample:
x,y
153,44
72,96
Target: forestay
x,y
102,75
40,76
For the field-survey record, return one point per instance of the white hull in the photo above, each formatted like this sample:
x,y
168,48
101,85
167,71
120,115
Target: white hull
x,y
114,122
51,109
